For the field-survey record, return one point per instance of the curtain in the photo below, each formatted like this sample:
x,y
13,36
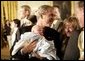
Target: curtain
x,y
8,11
72,8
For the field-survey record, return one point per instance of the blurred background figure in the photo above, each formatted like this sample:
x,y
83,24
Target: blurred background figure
x,y
80,13
15,27
68,26
57,17
25,12
80,16
81,45
6,32
77,39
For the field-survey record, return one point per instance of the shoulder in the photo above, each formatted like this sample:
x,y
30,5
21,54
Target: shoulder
x,y
81,36
50,33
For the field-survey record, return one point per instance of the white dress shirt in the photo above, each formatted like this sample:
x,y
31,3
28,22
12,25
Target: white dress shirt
x,y
25,22
13,36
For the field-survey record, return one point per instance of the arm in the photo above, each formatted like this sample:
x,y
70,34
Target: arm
x,y
20,43
18,46
81,45
29,48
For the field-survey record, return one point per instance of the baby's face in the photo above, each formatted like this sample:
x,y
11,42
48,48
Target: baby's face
x,y
38,30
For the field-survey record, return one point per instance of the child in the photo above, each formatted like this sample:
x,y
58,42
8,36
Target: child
x,y
44,48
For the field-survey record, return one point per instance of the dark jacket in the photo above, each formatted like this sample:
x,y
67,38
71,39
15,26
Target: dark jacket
x,y
51,34
72,51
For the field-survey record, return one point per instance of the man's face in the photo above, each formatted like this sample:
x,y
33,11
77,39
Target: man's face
x,y
12,25
80,16
23,13
57,13
68,29
48,18
7,23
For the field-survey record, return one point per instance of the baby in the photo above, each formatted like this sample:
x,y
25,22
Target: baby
x,y
44,48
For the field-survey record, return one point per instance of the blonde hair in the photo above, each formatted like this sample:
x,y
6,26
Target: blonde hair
x,y
73,20
44,9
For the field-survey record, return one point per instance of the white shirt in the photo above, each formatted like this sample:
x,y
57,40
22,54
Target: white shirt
x,y
13,35
55,24
26,22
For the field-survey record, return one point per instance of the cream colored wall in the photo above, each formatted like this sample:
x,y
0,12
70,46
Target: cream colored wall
x,y
34,4
74,7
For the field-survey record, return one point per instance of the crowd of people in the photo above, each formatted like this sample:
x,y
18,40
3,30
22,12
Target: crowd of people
x,y
45,36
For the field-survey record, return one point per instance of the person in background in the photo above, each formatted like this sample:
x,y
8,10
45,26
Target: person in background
x,y
15,24
33,19
57,17
7,29
67,27
81,45
80,13
73,53
6,33
24,14
29,22
72,49
80,16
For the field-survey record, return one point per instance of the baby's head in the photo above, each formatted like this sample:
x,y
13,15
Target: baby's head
x,y
37,29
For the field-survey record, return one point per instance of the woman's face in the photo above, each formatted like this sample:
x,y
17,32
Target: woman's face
x,y
68,29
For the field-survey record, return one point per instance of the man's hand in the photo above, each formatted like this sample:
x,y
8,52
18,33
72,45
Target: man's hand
x,y
29,47
37,55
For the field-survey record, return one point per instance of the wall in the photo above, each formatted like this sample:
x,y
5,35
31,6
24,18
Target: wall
x,y
34,4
